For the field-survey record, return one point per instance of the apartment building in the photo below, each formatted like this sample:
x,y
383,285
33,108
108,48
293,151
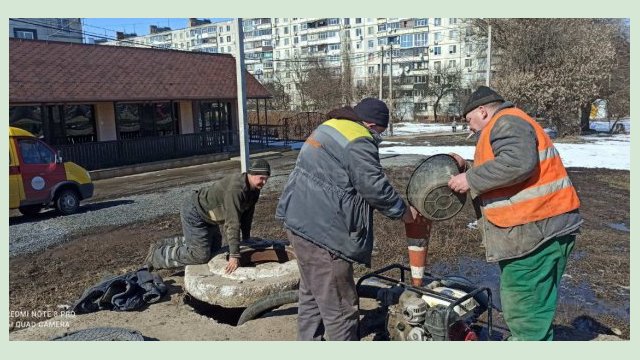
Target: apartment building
x,y
52,29
275,48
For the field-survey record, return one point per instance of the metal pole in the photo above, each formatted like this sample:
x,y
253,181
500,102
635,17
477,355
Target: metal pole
x,y
391,107
242,97
489,58
381,67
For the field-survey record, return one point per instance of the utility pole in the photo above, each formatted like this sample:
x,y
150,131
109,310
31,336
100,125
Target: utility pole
x,y
381,67
241,85
391,107
488,78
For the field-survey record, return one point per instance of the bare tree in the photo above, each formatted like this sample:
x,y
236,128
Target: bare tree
x,y
280,100
618,87
298,70
368,89
556,67
445,81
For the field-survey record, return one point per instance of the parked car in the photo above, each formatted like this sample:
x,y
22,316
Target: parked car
x,y
38,178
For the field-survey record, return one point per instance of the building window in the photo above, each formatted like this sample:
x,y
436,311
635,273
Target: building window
x,y
452,49
437,36
436,79
421,79
286,30
453,21
295,28
215,118
421,39
63,24
25,34
436,65
372,70
370,30
452,63
286,42
72,124
421,22
468,62
437,21
358,20
27,118
371,44
137,120
382,27
228,27
406,40
453,34
228,38
437,50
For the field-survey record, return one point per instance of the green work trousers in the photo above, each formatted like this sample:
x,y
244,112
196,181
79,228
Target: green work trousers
x,y
529,289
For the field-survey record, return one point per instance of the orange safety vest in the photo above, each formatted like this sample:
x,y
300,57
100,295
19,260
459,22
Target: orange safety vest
x,y
547,192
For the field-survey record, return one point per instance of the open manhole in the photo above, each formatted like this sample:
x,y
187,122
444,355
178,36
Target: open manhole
x,y
253,257
267,268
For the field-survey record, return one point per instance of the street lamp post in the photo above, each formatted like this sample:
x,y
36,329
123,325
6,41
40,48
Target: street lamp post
x,y
390,40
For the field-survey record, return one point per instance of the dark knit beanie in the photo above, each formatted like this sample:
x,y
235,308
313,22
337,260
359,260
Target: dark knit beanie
x,y
374,111
259,167
482,96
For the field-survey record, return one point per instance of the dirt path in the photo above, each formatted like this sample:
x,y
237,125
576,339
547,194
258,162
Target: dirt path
x,y
594,297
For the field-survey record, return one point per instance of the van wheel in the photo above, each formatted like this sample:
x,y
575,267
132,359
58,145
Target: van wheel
x,y
67,201
30,210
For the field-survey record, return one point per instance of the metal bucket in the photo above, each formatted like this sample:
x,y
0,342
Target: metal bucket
x,y
428,191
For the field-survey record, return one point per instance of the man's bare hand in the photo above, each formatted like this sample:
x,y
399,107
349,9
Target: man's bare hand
x,y
459,183
232,265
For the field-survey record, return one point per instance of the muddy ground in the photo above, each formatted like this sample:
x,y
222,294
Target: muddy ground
x,y
594,297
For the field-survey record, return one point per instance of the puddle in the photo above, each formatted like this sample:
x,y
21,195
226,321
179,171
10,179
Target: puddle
x,y
578,295
577,255
582,296
619,227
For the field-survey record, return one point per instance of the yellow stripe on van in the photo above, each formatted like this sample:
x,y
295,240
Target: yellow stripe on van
x,y
349,129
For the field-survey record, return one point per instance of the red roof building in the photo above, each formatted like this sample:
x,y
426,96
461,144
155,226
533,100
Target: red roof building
x,y
147,104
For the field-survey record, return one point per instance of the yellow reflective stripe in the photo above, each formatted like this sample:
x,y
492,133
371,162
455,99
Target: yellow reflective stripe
x,y
528,194
351,130
548,153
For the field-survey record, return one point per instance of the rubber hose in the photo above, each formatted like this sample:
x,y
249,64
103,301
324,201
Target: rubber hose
x,y
267,303
287,297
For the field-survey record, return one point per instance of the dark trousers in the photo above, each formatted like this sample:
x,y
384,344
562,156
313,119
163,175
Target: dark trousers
x,y
200,239
328,301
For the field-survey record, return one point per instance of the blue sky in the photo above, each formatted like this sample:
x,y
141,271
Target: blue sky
x,y
107,27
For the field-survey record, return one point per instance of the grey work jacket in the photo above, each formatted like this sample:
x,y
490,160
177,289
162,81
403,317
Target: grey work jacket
x,y
336,184
514,144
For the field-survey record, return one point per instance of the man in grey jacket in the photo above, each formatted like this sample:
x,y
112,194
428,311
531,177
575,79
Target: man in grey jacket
x,y
229,202
529,210
327,207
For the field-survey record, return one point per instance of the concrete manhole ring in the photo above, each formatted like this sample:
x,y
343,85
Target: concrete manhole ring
x,y
267,267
